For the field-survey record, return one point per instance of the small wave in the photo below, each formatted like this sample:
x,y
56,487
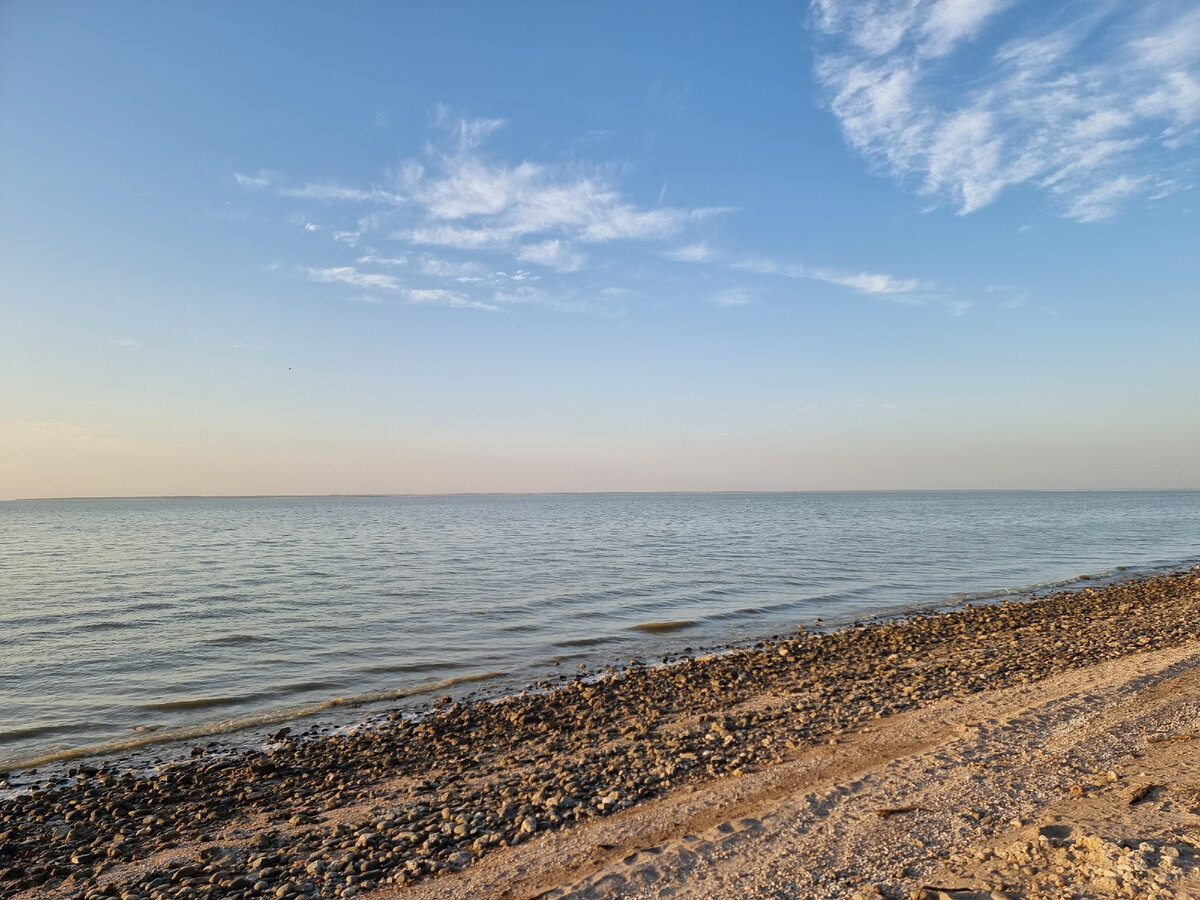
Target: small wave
x,y
662,627
19,734
300,687
389,668
195,703
415,690
990,595
233,639
107,625
517,627
152,606
241,723
586,642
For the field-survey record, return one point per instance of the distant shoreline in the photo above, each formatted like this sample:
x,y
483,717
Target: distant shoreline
x,y
733,492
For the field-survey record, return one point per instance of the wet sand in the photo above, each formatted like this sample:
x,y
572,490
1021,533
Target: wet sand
x,y
1038,749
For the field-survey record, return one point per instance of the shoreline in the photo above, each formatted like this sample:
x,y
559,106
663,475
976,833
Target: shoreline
x,y
155,744
471,782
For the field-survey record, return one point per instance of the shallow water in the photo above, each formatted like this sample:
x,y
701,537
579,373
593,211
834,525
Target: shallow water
x,y
127,622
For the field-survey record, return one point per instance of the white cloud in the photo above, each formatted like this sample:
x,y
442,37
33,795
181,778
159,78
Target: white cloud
x,y
697,252
261,179
465,133
449,268
469,201
1173,46
472,188
950,21
863,282
1086,102
556,254
340,192
932,28
868,282
1100,202
621,221
551,215
447,298
522,294
372,259
489,214
732,297
351,275
453,236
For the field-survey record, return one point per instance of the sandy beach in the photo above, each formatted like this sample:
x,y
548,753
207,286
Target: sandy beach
x,y
1045,748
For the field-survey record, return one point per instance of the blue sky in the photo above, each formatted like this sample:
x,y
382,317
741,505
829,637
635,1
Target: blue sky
x,y
385,247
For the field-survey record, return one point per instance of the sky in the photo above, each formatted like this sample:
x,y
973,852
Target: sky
x,y
313,248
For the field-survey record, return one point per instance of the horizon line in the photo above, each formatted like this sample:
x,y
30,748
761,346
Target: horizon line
x,y
399,494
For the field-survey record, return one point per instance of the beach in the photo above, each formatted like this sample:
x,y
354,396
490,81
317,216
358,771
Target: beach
x,y
1042,748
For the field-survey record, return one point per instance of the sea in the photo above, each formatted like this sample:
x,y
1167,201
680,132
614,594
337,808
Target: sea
x,y
150,625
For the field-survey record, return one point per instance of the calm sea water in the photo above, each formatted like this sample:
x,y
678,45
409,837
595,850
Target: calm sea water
x,y
126,622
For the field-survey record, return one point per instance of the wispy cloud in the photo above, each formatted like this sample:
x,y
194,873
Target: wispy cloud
x,y
259,180
447,298
1092,103
372,259
428,264
465,134
868,282
339,192
556,254
465,228
731,297
697,252
489,214
471,202
350,275
863,282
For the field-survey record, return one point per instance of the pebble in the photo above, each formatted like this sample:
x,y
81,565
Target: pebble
x,y
478,776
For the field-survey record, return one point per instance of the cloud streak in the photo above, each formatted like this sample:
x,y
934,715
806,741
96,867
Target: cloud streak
x,y
352,276
337,192
258,180
1092,104
862,282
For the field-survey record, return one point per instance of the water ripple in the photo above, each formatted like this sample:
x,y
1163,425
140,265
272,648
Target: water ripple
x,y
239,607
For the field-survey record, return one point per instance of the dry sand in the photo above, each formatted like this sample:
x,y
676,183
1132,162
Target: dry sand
x,y
1029,791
